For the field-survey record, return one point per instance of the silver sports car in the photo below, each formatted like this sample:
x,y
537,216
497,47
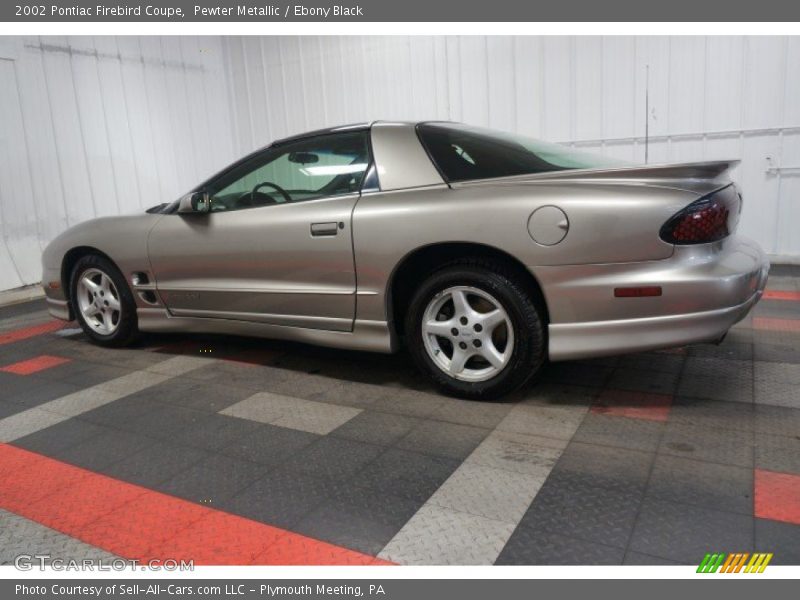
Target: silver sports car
x,y
483,253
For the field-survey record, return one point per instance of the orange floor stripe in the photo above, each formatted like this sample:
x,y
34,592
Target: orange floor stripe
x,y
29,332
777,496
633,405
781,295
772,324
138,523
34,365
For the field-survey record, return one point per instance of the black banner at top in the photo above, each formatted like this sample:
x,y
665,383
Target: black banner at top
x,y
399,10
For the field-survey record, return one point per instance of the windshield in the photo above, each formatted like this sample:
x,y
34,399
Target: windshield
x,y
463,153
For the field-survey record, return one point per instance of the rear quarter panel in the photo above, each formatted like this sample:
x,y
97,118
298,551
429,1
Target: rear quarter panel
x,y
608,223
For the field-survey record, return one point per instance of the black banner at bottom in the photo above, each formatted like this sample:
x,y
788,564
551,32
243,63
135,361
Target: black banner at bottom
x,y
393,589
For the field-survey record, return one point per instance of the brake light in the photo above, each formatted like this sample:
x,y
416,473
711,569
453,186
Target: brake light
x,y
709,219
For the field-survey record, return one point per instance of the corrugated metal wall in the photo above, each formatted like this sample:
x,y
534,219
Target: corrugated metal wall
x,y
96,126
709,97
102,126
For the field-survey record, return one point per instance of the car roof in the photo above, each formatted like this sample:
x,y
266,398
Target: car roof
x,y
352,127
325,131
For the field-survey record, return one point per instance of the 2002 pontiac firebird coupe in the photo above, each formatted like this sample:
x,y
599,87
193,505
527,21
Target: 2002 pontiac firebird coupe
x,y
485,253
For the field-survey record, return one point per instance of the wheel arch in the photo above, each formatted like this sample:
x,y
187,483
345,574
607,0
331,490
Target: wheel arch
x,y
71,258
418,264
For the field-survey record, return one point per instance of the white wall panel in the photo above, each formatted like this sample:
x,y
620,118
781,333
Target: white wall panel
x,y
94,126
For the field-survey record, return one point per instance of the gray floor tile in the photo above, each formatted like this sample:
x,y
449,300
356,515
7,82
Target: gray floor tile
x,y
293,413
365,521
559,394
652,361
684,534
712,414
616,469
20,536
101,450
440,536
577,509
282,498
777,393
211,432
778,453
576,373
443,439
531,546
214,480
411,403
406,474
486,492
267,444
56,438
517,452
702,484
724,446
559,422
333,458
777,420
776,352
156,463
634,434
24,423
728,349
637,558
476,414
644,380
376,427
781,539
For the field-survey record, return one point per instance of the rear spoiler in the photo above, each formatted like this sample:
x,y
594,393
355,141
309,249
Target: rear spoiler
x,y
693,170
700,171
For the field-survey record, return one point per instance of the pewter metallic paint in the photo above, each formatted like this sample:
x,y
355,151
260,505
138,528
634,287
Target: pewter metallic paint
x,y
260,272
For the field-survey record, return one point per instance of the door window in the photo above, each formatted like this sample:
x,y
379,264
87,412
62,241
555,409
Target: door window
x,y
319,167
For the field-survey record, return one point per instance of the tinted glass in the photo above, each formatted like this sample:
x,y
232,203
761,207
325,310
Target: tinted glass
x,y
463,153
304,170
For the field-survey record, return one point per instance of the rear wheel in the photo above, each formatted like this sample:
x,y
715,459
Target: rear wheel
x,y
475,330
102,302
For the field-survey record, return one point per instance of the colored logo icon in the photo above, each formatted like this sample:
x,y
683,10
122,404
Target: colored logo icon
x,y
720,562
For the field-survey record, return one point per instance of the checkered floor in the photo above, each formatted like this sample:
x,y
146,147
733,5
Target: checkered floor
x,y
236,451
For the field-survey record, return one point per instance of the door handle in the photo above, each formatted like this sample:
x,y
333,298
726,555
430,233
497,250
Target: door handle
x,y
326,229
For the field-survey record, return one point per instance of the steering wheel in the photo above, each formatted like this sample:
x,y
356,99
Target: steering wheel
x,y
277,188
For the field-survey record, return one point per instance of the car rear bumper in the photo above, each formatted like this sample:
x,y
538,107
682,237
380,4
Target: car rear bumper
x,y
706,290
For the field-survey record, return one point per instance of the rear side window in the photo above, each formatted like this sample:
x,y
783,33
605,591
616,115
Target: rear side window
x,y
463,153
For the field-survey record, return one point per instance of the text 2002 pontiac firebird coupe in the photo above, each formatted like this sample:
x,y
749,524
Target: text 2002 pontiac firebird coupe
x,y
484,253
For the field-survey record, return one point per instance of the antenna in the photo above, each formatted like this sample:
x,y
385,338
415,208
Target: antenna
x,y
647,114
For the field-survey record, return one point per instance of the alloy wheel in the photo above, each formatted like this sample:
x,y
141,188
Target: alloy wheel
x,y
99,301
467,333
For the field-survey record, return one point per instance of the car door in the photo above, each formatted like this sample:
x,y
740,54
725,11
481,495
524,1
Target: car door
x,y
276,246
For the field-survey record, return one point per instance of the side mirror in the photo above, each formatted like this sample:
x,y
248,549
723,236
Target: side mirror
x,y
195,202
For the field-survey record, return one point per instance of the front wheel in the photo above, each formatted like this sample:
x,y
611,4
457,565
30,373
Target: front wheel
x,y
474,328
102,302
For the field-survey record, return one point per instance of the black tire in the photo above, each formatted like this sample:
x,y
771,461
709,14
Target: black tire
x,y
127,325
516,297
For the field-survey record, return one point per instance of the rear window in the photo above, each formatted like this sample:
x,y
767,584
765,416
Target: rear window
x,y
463,153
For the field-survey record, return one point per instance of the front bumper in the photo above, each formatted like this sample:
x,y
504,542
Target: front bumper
x,y
706,290
59,309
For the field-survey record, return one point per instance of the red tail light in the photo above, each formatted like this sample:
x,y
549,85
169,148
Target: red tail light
x,y
708,219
